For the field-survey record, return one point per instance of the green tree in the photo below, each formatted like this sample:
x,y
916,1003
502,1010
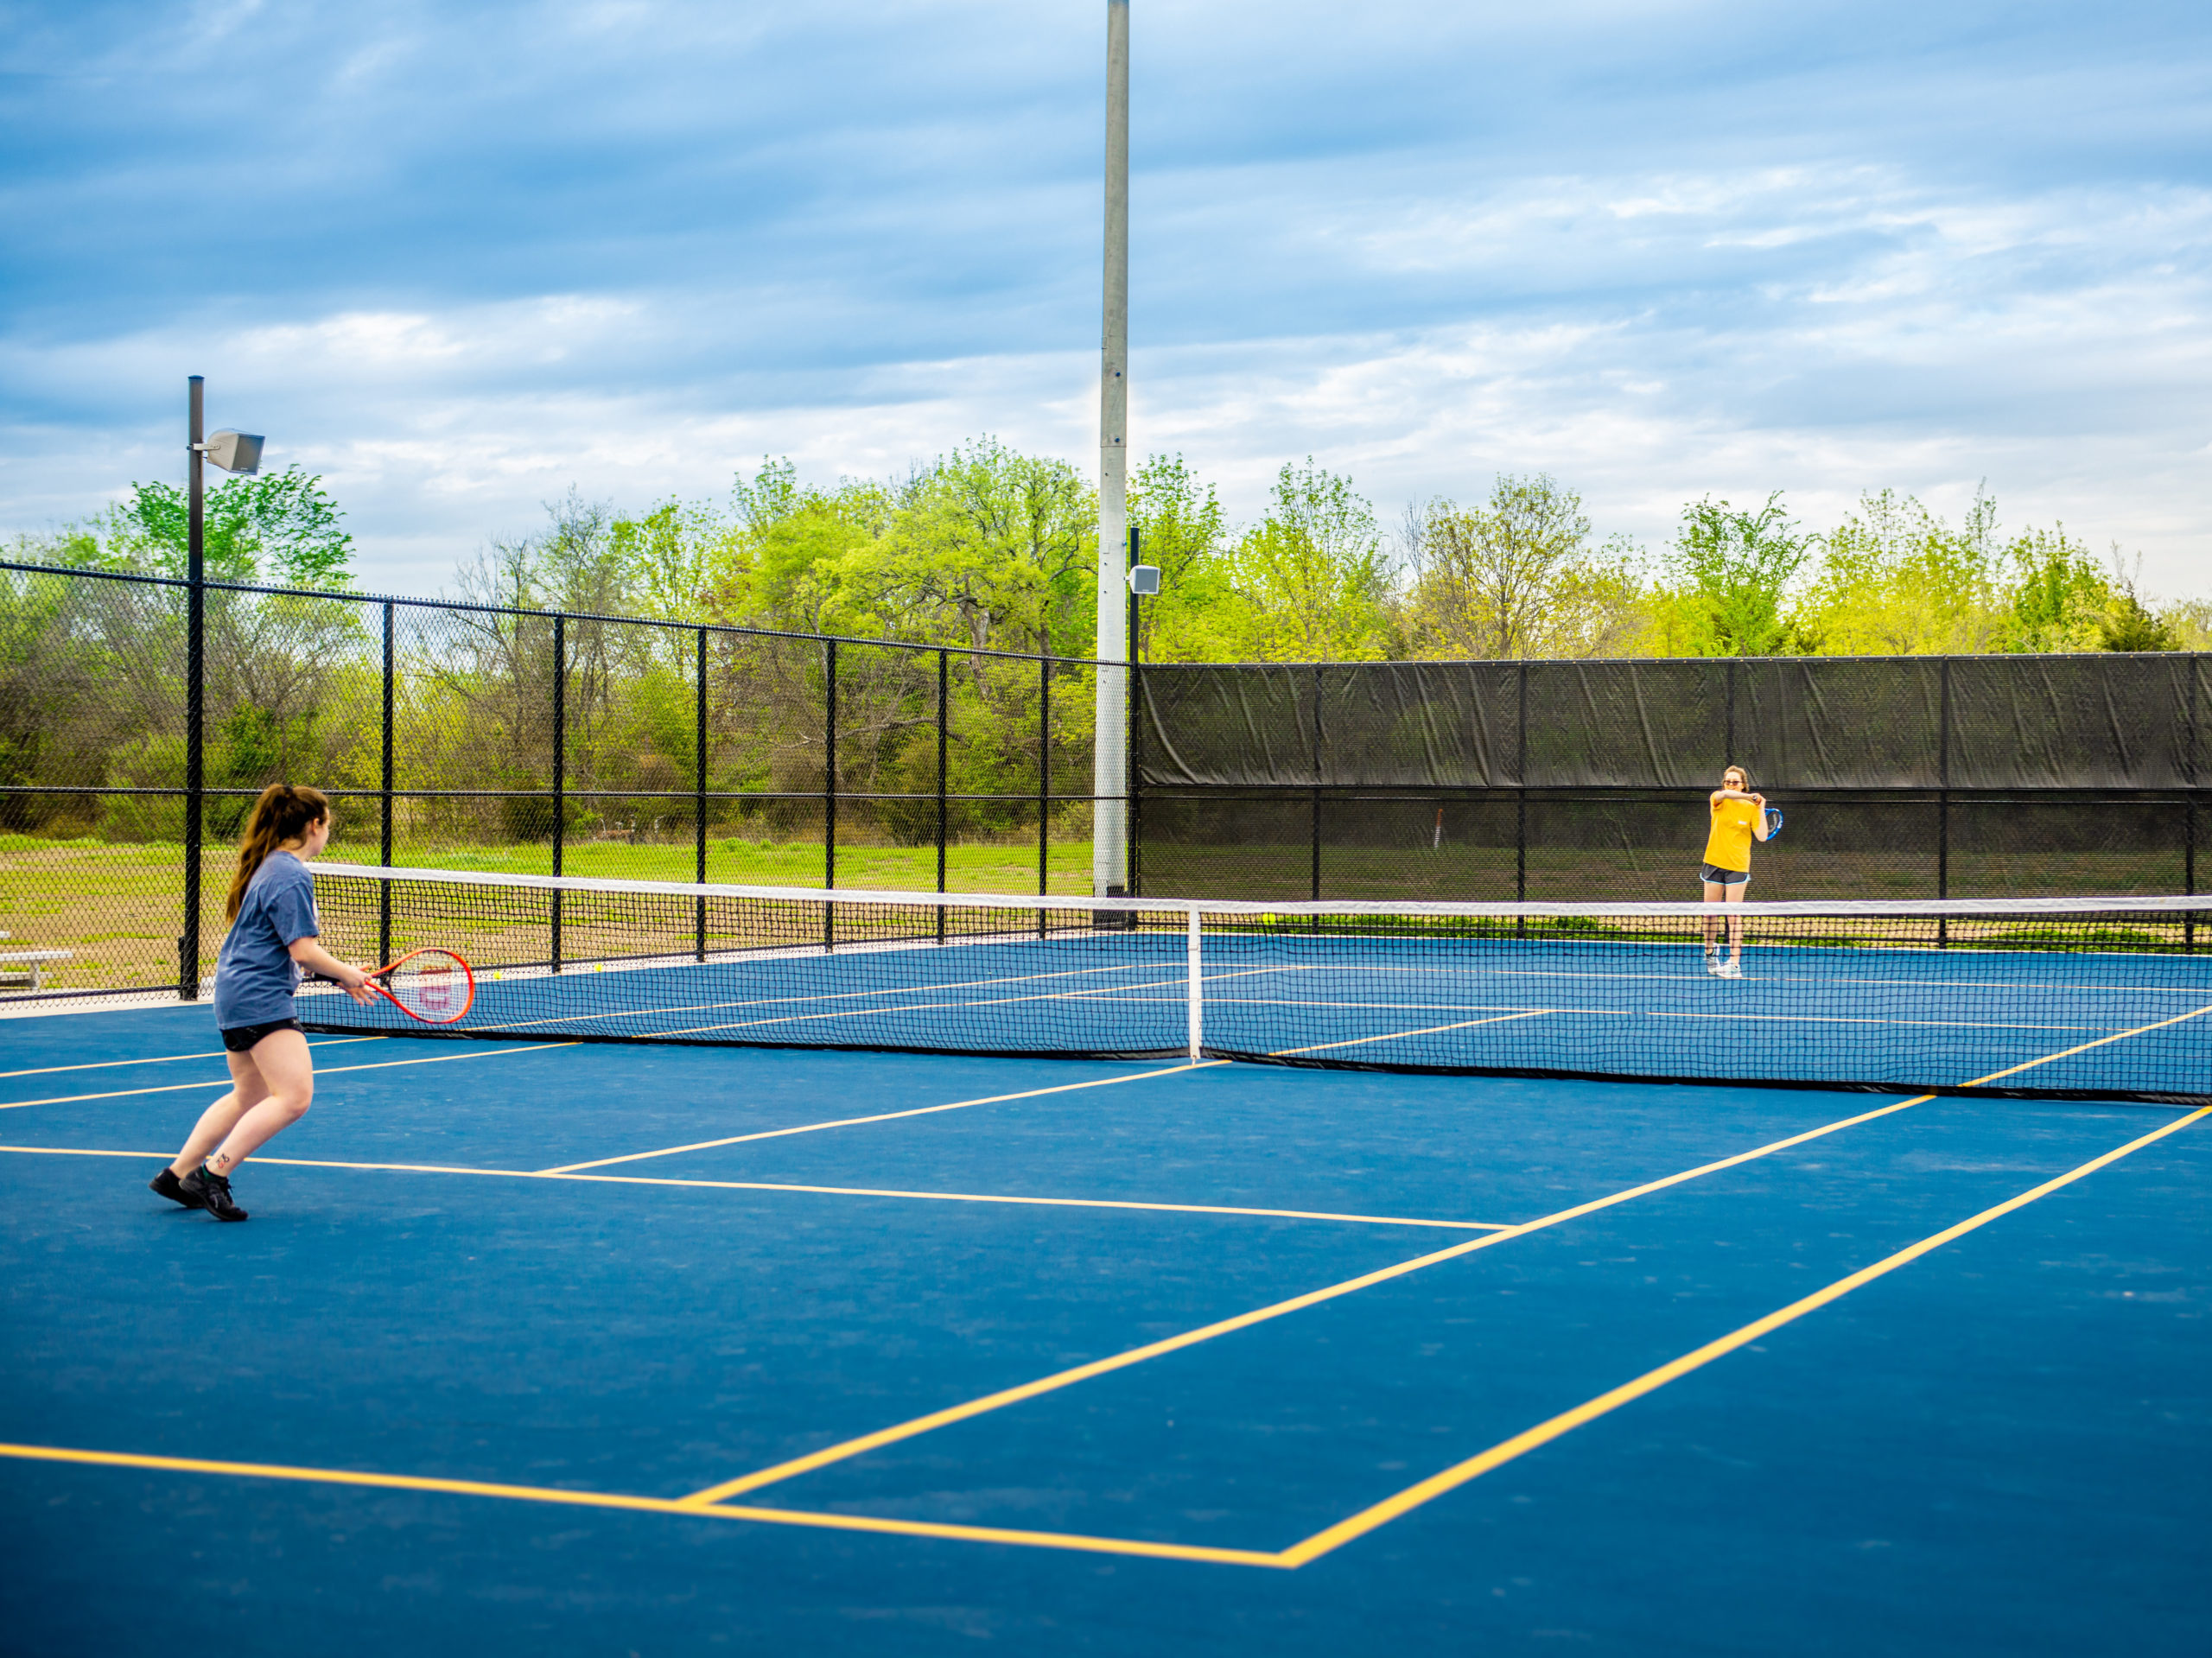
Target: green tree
x,y
282,528
1735,570
1518,577
1895,580
1315,583
2057,598
2128,623
1183,529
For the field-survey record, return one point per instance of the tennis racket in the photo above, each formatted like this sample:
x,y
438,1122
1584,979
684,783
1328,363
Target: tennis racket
x,y
1773,821
434,986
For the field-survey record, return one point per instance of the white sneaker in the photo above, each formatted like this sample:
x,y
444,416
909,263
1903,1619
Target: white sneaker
x,y
1728,970
1712,962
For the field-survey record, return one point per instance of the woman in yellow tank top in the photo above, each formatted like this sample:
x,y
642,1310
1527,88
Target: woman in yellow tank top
x,y
1738,818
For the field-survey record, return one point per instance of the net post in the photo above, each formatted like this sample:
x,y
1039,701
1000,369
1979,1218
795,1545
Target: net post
x,y
944,724
829,787
383,855
560,767
1197,1033
699,802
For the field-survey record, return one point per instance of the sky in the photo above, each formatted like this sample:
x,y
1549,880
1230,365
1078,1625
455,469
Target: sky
x,y
459,258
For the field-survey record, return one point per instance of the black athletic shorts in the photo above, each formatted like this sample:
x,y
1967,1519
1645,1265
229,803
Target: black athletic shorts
x,y
241,1039
1714,872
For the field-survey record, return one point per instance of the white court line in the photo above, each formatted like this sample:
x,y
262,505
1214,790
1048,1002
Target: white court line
x,y
333,1071
171,1059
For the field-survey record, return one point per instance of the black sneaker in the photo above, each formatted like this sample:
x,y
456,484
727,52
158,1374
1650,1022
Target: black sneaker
x,y
168,1185
205,1188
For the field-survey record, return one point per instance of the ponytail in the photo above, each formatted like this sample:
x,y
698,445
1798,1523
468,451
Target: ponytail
x,y
284,813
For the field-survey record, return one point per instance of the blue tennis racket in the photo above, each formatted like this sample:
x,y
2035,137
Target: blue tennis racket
x,y
1773,821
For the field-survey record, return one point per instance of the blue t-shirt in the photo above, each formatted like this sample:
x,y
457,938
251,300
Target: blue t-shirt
x,y
255,975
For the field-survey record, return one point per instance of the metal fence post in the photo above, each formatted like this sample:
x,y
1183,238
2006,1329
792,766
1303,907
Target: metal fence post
x,y
2196,665
195,693
1731,758
1943,804
699,802
1044,781
384,887
1521,799
943,746
560,766
1136,752
830,787
1316,874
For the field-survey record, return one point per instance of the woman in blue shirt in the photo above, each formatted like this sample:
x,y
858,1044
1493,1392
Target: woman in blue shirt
x,y
273,935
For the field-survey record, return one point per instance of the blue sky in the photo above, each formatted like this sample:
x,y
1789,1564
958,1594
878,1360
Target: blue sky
x,y
459,257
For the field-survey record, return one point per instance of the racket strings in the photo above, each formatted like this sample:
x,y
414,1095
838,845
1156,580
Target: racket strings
x,y
432,984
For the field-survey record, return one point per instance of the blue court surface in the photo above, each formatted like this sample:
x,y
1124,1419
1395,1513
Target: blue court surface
x,y
535,1346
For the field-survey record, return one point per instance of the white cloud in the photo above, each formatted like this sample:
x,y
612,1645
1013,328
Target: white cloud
x,y
632,246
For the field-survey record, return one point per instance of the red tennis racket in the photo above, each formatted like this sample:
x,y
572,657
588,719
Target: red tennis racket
x,y
434,986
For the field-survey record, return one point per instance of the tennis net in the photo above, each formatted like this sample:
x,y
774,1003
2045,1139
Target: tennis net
x,y
2101,998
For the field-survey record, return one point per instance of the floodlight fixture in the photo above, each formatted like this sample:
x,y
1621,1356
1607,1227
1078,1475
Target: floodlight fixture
x,y
1144,580
238,452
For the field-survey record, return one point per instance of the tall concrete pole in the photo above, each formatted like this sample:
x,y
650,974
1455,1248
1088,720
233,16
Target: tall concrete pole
x,y
1110,776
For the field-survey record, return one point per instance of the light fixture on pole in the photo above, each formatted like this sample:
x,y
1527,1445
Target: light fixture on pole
x,y
234,451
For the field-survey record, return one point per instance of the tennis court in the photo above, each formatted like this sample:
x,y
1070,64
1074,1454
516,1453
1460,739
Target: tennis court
x,y
542,1341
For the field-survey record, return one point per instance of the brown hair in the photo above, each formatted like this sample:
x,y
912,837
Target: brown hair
x,y
1737,771
284,813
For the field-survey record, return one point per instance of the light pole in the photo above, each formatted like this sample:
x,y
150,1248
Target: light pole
x,y
1109,766
237,452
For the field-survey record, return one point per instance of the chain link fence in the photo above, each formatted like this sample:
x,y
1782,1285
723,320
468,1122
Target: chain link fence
x,y
461,736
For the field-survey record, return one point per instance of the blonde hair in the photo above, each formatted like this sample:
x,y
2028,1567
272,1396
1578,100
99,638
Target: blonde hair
x,y
1743,777
284,813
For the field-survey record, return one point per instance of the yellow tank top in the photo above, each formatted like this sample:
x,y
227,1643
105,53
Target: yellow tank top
x,y
1729,846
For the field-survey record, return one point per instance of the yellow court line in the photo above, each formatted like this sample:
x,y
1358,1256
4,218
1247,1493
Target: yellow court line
x,y
169,1058
1434,1030
332,1071
1381,1514
1058,1379
826,1191
646,1504
886,1116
